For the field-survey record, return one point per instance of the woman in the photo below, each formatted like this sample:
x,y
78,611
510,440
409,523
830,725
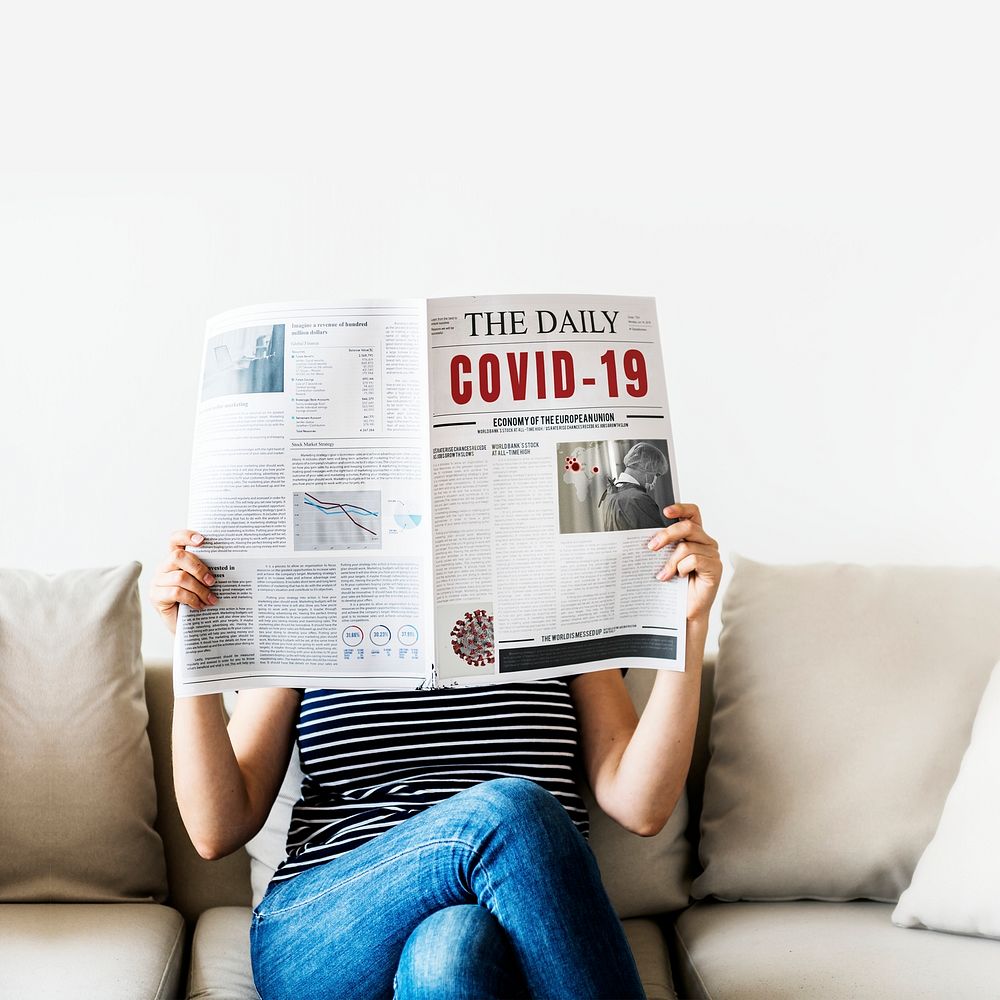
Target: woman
x,y
480,886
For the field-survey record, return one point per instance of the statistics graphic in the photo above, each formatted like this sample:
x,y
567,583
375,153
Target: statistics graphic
x,y
399,517
323,520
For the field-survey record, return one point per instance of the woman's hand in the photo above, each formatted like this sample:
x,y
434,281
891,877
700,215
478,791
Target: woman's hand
x,y
696,557
182,579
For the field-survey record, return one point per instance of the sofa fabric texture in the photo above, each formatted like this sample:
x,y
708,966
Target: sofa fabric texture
x,y
844,700
956,886
834,951
91,951
76,770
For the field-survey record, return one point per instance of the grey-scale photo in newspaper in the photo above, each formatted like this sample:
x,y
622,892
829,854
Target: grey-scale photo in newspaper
x,y
417,493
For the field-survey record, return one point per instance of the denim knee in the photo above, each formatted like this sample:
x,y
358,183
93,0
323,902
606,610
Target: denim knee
x,y
510,796
458,951
524,814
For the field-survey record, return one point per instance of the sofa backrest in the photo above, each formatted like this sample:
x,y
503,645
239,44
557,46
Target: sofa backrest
x,y
197,884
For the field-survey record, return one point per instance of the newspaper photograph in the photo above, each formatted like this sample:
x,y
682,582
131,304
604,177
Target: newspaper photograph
x,y
424,493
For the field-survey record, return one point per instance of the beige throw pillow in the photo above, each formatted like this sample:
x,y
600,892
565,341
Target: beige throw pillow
x,y
844,700
956,886
76,771
643,875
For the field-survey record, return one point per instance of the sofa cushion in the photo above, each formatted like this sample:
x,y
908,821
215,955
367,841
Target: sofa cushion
x,y
644,876
220,956
956,886
838,951
90,951
844,700
76,772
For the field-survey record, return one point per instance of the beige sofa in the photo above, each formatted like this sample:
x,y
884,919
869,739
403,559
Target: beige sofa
x,y
195,943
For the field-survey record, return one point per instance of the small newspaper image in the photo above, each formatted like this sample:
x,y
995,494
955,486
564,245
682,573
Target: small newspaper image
x,y
424,493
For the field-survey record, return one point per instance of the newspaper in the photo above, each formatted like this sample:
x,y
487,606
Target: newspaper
x,y
423,493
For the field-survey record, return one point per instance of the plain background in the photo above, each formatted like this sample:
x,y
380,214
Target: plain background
x,y
810,191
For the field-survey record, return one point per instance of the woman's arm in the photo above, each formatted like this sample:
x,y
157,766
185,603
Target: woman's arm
x,y
225,778
637,766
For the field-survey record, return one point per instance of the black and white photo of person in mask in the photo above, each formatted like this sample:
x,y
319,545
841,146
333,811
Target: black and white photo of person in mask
x,y
637,496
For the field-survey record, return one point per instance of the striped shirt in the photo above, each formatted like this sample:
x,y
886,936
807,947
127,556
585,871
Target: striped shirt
x,y
371,759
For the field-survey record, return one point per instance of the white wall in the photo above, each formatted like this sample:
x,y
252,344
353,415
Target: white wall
x,y
809,190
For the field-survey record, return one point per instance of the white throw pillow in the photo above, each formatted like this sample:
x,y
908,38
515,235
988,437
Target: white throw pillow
x,y
956,886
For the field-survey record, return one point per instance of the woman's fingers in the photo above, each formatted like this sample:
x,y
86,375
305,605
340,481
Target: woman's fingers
x,y
180,578
691,531
183,578
182,559
186,537
167,596
680,561
695,556
690,511
169,582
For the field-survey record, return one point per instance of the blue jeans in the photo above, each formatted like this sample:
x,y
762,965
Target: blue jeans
x,y
493,892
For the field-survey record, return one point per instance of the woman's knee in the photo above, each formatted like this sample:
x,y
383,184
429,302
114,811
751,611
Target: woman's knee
x,y
519,806
457,951
506,797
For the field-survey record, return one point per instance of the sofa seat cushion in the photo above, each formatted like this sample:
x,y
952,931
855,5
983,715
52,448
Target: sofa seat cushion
x,y
838,951
220,956
103,951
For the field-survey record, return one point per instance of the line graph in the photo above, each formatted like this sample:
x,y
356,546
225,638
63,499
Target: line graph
x,y
342,508
324,520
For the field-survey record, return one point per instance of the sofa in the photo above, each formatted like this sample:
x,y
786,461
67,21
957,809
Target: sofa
x,y
770,941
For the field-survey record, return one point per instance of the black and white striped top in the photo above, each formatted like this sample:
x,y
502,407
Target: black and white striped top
x,y
370,759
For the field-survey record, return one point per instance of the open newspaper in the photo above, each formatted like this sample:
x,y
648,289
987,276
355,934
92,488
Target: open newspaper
x,y
423,493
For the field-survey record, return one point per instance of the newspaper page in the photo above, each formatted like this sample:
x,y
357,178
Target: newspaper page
x,y
310,482
552,461
403,493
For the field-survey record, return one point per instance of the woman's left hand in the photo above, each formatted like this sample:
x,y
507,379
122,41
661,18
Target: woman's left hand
x,y
696,557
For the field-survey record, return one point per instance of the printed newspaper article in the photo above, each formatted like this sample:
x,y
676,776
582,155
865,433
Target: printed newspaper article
x,y
416,493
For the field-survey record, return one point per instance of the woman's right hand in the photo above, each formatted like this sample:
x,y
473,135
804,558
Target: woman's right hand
x,y
182,579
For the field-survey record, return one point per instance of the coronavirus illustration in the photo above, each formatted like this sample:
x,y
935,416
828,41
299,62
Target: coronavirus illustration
x,y
472,638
